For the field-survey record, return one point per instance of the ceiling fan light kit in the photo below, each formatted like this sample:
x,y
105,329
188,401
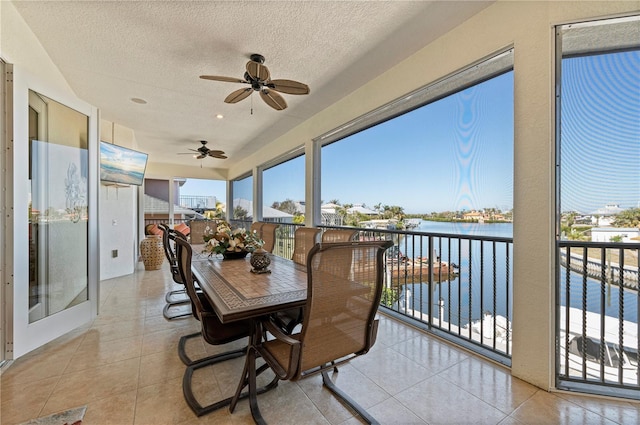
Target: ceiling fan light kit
x,y
258,77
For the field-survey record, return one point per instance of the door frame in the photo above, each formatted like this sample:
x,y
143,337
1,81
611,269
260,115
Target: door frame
x,y
6,218
28,336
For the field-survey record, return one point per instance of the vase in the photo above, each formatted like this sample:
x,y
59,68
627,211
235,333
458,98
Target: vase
x,y
152,252
234,255
260,260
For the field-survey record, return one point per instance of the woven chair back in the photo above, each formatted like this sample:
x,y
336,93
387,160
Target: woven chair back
x,y
303,240
183,256
338,235
213,331
169,237
268,235
168,250
344,288
257,227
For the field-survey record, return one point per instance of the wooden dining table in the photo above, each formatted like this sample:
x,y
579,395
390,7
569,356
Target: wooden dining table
x,y
236,293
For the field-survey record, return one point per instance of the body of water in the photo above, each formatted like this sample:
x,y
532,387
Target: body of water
x,y
463,298
503,230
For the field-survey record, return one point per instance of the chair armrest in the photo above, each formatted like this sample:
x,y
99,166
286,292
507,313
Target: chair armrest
x,y
281,354
274,330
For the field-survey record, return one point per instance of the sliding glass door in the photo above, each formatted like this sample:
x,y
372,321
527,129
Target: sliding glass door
x,y
53,286
58,207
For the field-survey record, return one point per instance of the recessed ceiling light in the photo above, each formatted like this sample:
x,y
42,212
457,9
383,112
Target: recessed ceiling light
x,y
219,116
138,100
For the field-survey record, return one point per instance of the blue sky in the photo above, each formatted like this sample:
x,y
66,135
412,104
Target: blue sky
x,y
600,132
457,153
454,154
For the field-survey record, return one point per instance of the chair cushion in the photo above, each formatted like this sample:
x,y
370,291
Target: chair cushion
x,y
153,229
216,333
182,228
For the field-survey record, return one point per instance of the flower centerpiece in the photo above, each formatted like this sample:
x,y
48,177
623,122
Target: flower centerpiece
x,y
231,243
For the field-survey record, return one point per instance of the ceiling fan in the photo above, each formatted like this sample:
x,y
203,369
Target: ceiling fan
x,y
203,152
258,77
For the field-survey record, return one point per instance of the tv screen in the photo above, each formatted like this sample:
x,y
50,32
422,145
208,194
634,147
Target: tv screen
x,y
121,165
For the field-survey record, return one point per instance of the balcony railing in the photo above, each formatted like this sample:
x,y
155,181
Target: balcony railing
x,y
460,288
456,286
598,309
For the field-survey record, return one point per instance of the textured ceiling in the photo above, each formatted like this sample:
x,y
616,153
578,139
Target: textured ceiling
x,y
110,52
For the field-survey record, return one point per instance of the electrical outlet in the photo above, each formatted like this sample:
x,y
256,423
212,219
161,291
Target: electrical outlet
x,y
114,253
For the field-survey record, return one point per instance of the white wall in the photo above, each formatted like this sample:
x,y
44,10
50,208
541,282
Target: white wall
x,y
118,231
118,217
605,234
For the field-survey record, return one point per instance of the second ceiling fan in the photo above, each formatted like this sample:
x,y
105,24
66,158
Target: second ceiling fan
x,y
203,152
258,77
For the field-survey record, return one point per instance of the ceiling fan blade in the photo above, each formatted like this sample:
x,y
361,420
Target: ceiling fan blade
x,y
217,154
201,156
225,79
273,99
238,95
257,71
288,86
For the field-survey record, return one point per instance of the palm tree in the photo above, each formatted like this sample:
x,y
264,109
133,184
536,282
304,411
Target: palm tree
x,y
628,218
240,213
288,206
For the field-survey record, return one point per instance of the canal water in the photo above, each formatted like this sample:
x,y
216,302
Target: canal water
x,y
461,295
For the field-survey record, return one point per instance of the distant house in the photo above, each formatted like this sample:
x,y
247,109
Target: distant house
x,y
268,213
300,207
605,216
604,234
330,216
358,208
473,215
158,210
198,202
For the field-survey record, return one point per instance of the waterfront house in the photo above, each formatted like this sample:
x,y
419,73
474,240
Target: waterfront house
x,y
604,234
473,216
604,216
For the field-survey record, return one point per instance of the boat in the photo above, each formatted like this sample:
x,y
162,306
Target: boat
x,y
598,356
411,223
403,270
491,327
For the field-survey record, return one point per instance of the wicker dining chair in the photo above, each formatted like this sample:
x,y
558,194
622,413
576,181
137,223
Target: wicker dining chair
x,y
256,226
213,332
338,235
304,239
268,235
339,321
177,298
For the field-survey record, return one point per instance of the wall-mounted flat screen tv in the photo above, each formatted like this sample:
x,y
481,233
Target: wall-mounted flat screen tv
x,y
121,165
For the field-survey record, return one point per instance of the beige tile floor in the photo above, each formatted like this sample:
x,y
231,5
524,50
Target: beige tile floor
x,y
125,369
